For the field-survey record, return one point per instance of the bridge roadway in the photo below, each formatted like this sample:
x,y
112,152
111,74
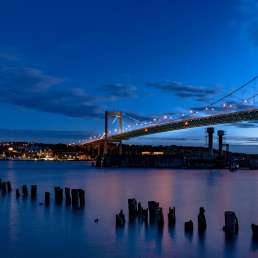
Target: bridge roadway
x,y
226,118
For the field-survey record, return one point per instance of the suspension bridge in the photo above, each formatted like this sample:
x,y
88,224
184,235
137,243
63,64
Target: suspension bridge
x,y
238,105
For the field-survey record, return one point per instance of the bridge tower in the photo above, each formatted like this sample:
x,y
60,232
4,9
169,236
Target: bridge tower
x,y
220,140
118,115
210,131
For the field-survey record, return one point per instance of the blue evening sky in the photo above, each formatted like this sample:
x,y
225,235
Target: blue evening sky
x,y
62,63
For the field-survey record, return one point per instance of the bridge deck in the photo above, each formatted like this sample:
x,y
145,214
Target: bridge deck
x,y
189,123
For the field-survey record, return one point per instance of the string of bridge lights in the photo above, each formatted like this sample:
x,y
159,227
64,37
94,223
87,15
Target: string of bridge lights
x,y
208,110
165,119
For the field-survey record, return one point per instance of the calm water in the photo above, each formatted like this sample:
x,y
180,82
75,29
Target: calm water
x,y
30,230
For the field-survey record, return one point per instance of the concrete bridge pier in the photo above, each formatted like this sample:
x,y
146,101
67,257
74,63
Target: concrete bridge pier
x,y
210,131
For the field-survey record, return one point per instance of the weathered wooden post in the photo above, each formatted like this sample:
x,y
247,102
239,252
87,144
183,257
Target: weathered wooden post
x,y
47,198
75,198
255,231
18,193
231,224
201,221
160,217
153,206
145,215
140,210
9,186
132,208
58,194
189,226
172,217
33,192
24,191
81,198
3,188
68,199
120,219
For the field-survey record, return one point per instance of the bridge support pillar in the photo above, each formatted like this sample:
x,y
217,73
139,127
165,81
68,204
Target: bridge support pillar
x,y
210,131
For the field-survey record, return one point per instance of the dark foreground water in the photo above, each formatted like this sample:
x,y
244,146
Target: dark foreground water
x,y
30,230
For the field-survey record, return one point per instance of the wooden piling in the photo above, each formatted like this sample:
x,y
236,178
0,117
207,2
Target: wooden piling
x,y
160,217
201,221
172,217
3,188
145,215
189,226
8,186
24,191
18,193
231,224
75,198
139,210
120,219
132,208
255,231
33,192
153,206
82,198
58,194
68,199
47,198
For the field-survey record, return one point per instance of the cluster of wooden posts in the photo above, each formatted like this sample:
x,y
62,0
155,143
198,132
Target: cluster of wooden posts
x,y
5,187
73,197
154,216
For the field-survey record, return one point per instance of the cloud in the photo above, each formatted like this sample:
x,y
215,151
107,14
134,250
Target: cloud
x,y
185,91
246,125
241,139
46,136
31,88
117,91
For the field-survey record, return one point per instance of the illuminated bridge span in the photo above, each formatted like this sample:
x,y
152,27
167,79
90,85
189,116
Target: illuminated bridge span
x,y
189,123
227,109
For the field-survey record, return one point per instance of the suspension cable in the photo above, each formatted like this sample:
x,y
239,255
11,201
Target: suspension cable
x,y
233,92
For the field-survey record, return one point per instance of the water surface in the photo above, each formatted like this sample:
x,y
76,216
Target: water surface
x,y
30,230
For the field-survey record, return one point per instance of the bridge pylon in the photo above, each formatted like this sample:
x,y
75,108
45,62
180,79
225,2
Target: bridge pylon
x,y
119,117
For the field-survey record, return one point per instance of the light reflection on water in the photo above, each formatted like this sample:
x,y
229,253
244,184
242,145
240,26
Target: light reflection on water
x,y
30,230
